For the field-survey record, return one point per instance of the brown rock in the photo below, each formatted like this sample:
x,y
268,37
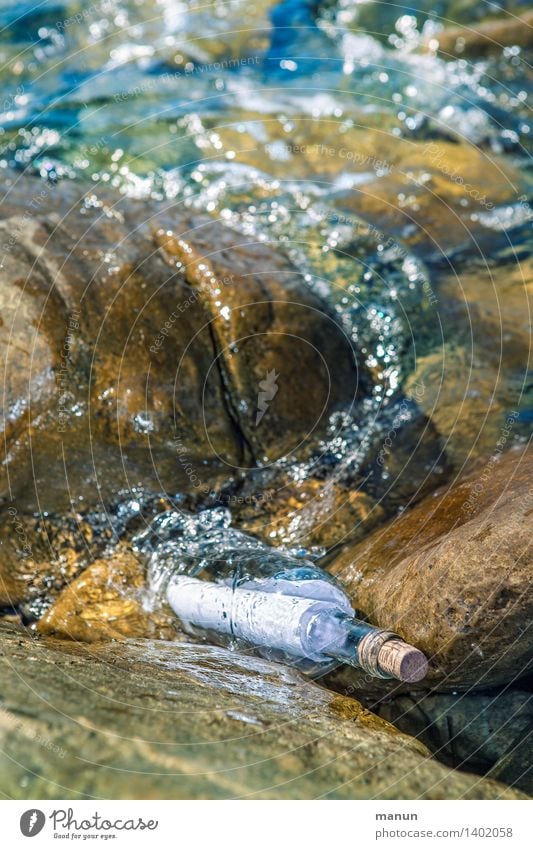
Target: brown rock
x,y
452,576
106,602
263,322
487,37
148,719
310,513
132,358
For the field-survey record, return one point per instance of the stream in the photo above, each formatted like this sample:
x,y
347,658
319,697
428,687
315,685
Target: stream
x,y
265,269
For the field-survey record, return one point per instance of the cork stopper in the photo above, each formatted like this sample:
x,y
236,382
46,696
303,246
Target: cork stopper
x,y
402,661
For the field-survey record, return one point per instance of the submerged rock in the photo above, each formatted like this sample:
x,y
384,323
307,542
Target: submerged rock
x,y
485,37
476,382
452,576
432,194
106,602
310,513
40,554
184,721
482,732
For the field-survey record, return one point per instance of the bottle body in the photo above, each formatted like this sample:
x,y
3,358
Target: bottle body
x,y
232,589
205,548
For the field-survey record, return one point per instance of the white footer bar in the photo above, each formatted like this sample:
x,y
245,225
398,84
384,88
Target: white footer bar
x,y
267,824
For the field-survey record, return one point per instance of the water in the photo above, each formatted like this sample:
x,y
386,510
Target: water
x,y
338,133
179,543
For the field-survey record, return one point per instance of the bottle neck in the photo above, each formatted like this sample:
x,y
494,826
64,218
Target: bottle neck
x,y
381,653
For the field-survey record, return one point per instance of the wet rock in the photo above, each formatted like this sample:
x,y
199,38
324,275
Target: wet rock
x,y
158,720
452,576
310,513
430,193
142,362
266,328
108,601
37,557
476,381
482,732
486,37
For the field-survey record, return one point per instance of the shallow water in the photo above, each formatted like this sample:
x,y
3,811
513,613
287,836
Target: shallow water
x,y
396,178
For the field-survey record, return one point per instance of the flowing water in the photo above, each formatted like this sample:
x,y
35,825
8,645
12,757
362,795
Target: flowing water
x,y
394,174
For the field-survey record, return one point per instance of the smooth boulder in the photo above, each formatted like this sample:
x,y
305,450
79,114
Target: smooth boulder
x,y
194,722
142,342
453,576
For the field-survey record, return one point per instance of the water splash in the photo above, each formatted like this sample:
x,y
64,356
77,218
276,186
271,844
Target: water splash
x,y
204,544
